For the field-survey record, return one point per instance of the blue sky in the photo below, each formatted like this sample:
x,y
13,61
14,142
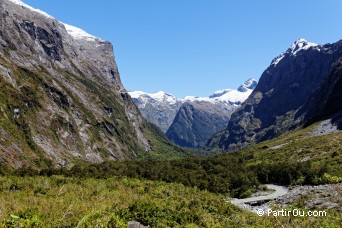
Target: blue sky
x,y
195,47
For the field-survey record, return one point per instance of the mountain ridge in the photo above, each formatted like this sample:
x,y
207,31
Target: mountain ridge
x,y
284,87
189,122
160,108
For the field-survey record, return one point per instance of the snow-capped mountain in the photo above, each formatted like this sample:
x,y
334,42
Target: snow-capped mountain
x,y
227,96
78,33
298,46
161,108
248,86
294,80
73,31
154,97
33,10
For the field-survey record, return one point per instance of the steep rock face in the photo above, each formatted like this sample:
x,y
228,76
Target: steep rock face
x,y
327,100
196,121
61,98
199,118
284,87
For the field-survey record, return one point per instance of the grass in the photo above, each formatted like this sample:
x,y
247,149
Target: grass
x,y
298,146
323,152
70,202
59,201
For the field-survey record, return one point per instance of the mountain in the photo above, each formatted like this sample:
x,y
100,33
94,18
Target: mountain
x,y
296,80
199,118
159,108
190,121
61,98
326,102
227,96
196,121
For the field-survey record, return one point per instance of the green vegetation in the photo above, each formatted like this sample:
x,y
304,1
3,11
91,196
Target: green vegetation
x,y
71,202
117,126
51,111
227,176
236,174
322,153
162,148
59,201
17,107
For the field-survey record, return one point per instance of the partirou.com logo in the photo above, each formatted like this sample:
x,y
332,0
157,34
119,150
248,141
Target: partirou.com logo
x,y
294,212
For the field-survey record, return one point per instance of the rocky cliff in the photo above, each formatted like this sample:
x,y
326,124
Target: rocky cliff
x,y
326,102
61,98
197,121
285,87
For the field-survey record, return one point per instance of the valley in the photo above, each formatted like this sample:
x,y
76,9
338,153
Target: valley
x,y
79,150
189,122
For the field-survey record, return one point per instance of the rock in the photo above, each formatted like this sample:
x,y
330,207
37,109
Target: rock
x,y
319,197
197,121
136,225
325,127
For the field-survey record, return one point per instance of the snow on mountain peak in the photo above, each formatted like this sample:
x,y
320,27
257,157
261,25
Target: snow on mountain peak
x,y
20,3
236,96
297,46
162,96
159,96
277,59
75,32
228,96
301,44
78,33
220,93
136,94
250,84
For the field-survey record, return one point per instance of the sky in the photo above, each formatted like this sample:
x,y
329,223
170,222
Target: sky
x,y
196,47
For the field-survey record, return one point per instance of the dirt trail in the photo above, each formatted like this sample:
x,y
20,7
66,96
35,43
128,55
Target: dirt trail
x,y
279,191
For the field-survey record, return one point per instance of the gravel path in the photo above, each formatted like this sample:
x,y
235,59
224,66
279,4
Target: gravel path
x,y
279,191
315,197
